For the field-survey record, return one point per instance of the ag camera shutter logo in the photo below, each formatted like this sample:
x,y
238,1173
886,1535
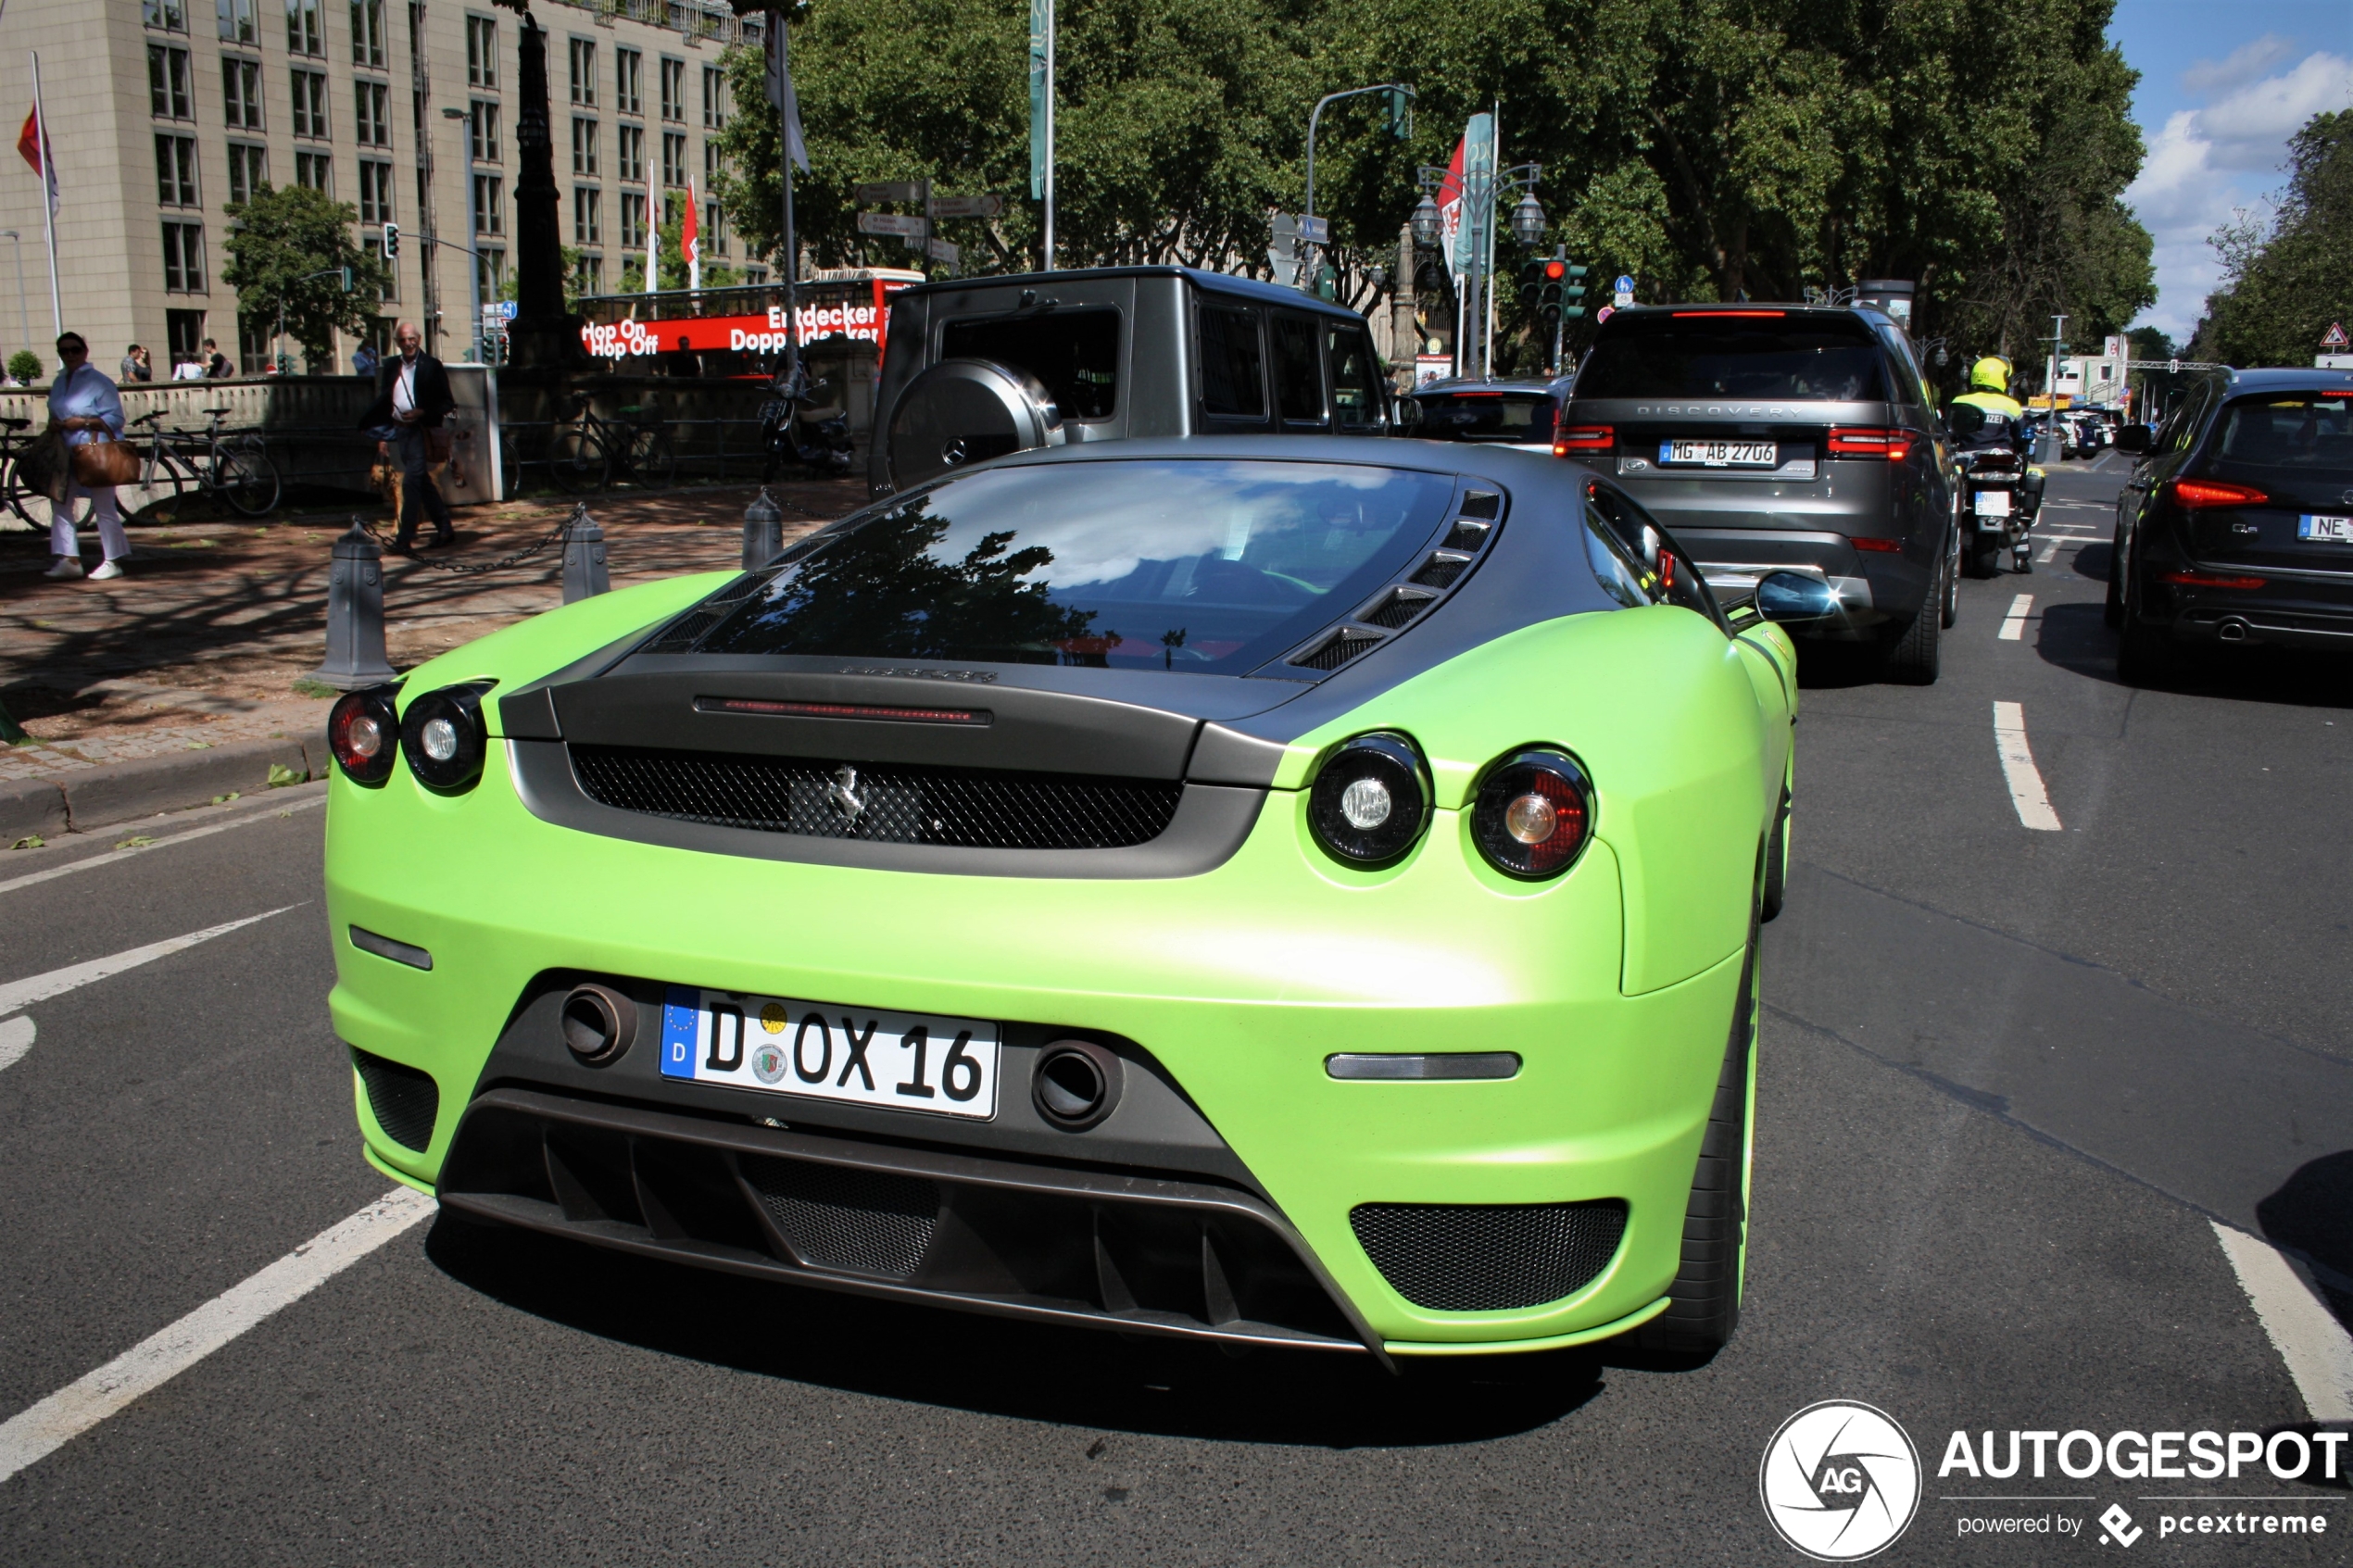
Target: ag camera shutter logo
x,y
1839,1481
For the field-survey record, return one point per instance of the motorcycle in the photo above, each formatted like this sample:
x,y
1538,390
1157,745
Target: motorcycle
x,y
790,434
2001,492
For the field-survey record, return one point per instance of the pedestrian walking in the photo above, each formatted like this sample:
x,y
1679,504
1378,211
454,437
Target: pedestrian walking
x,y
82,402
412,399
365,359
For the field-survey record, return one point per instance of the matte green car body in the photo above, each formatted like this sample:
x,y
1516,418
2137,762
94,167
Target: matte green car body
x,y
1614,982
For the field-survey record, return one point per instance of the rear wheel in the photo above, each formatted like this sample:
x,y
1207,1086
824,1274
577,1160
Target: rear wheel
x,y
1951,607
575,460
1704,1304
1914,659
1777,863
2145,654
1983,552
2113,613
650,458
248,479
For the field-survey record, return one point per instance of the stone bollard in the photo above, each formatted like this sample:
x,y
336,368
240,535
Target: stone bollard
x,y
585,574
763,531
355,614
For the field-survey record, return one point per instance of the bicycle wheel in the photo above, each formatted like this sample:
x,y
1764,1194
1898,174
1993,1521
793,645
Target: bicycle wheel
x,y
166,483
651,460
13,494
576,460
246,477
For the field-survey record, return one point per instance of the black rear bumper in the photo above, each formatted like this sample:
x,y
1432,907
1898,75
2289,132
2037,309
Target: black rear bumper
x,y
1014,1238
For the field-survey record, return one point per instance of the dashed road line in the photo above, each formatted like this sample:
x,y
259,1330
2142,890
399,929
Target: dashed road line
x,y
16,1033
2314,1344
111,855
2018,767
2014,624
33,1434
2048,551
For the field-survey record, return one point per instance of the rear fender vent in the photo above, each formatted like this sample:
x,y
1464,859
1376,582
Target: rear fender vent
x,y
1338,648
1489,1257
1443,568
688,629
1398,606
404,1100
1468,535
1481,503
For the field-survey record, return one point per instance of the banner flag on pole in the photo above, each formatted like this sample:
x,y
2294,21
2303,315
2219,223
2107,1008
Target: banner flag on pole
x,y
1041,28
781,96
1450,210
29,145
653,246
689,240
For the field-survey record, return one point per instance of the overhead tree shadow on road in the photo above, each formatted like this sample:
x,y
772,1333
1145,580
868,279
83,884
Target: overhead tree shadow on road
x,y
1031,1372
2076,637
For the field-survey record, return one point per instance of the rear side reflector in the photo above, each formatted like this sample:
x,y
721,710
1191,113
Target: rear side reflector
x,y
1582,438
1890,546
1441,1065
2193,494
1865,440
2212,580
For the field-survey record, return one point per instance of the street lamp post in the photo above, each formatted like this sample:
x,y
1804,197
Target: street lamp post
x,y
464,123
1479,198
1315,114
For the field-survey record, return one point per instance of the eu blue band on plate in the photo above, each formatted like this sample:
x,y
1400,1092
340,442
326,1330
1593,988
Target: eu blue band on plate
x,y
681,1011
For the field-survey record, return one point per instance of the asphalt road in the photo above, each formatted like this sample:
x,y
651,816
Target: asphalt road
x,y
2011,1079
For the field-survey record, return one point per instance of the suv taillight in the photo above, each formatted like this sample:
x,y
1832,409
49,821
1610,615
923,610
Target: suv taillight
x,y
1568,439
2192,495
1868,441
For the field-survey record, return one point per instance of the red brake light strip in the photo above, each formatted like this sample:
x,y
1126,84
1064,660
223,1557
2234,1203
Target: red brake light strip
x,y
840,710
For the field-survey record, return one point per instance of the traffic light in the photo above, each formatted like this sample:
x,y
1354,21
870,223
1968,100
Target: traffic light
x,y
349,282
392,240
1558,287
1397,113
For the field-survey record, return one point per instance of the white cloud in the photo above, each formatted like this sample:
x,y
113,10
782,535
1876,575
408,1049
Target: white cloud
x,y
2246,62
2250,128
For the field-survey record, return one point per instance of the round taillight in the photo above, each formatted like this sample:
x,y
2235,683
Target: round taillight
x,y
364,734
1371,800
1533,814
442,736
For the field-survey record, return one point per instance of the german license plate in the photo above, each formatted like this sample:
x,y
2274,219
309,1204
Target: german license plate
x,y
902,1061
1721,454
2327,529
1992,503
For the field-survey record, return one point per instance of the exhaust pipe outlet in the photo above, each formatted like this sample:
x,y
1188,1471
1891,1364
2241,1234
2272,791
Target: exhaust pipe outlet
x,y
2232,629
1075,1083
598,1024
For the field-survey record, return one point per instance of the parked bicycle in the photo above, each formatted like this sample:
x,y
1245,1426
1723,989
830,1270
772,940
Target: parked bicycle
x,y
13,491
595,452
235,466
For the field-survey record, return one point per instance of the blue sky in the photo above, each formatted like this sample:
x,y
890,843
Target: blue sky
x,y
2223,88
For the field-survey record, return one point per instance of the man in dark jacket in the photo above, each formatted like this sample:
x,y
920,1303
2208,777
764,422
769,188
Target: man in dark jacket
x,y
412,398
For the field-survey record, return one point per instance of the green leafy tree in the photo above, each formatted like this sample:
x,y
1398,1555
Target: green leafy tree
x,y
2285,283
285,247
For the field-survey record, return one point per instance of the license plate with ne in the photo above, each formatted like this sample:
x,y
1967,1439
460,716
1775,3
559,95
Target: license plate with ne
x,y
1721,454
2326,530
895,1060
1992,503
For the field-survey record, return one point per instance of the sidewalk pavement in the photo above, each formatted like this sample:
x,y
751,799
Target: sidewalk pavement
x,y
186,679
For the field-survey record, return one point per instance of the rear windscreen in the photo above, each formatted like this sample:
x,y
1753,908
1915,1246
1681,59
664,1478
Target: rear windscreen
x,y
2295,429
1485,416
1075,352
1735,356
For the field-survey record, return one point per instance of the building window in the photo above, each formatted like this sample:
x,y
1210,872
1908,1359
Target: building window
x,y
673,90
371,108
713,237
584,72
183,335
485,132
584,146
306,30
375,246
184,257
633,220
490,271
309,103
248,170
488,218
170,15
241,93
714,97
629,142
375,192
482,52
368,33
168,95
714,162
315,172
588,276
629,80
587,216
673,157
253,341
237,25
176,170
756,276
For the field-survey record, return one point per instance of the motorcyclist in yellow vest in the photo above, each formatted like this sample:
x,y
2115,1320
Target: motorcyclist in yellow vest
x,y
1989,382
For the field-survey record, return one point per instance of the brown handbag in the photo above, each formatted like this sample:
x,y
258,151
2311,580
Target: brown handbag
x,y
103,462
439,442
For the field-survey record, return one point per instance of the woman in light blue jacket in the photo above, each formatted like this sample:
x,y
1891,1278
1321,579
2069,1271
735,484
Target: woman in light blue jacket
x,y
82,402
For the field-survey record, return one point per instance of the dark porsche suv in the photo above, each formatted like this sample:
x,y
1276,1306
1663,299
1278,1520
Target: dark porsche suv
x,y
2237,524
1783,437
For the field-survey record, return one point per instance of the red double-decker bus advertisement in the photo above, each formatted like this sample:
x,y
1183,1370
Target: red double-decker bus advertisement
x,y
865,315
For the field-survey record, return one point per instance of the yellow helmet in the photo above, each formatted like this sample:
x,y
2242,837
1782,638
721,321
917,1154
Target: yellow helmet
x,y
1990,374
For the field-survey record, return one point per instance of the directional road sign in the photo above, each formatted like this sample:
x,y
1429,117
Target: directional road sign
x,y
1315,230
944,252
892,223
893,191
966,206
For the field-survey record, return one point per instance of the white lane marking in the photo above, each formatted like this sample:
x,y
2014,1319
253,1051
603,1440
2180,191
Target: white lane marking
x,y
2314,1344
2018,767
2014,624
111,855
31,1434
16,1038
2048,551
22,993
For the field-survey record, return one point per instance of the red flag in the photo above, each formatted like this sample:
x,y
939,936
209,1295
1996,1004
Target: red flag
x,y
689,245
29,145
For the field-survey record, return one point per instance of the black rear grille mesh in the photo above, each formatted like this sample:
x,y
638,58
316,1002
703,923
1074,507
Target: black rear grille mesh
x,y
404,1100
1401,606
1442,569
1336,650
971,808
857,1222
1489,1257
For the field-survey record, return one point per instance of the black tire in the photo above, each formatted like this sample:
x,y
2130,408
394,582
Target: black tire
x,y
1983,560
1914,658
2113,613
576,460
2145,654
1704,1304
246,478
1952,596
1776,863
651,461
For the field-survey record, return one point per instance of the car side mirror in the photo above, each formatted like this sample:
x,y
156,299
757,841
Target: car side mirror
x,y
1405,413
2132,438
1789,597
